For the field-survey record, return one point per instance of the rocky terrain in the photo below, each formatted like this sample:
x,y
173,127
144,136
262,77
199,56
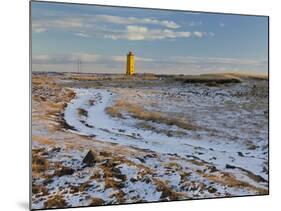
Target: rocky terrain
x,y
101,139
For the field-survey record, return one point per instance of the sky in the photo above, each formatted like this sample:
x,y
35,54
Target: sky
x,y
163,41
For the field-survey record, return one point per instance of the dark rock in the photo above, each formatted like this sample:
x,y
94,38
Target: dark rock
x,y
133,180
169,134
212,189
45,154
92,135
252,147
90,159
56,149
265,170
82,112
212,169
47,181
240,154
121,131
74,189
229,166
90,126
146,179
151,155
64,171
141,159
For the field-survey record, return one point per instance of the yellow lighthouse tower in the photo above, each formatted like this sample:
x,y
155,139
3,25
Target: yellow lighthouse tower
x,y
130,64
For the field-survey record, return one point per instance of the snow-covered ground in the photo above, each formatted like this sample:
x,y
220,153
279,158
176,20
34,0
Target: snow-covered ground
x,y
225,154
232,126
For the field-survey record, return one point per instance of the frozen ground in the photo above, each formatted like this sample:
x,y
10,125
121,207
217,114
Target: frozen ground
x,y
225,153
226,144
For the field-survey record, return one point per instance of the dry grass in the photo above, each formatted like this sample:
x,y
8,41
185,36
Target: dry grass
x,y
42,80
146,76
219,78
52,99
138,112
256,76
83,78
230,181
84,186
42,140
97,202
56,201
39,163
208,78
170,133
173,165
112,176
120,196
137,76
63,170
167,192
39,189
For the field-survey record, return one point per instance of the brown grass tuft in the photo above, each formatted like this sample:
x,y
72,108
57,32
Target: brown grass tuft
x,y
42,140
39,163
230,181
138,112
97,202
82,112
39,189
56,201
167,192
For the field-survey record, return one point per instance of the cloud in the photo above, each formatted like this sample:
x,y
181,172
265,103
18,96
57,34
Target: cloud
x,y
115,27
106,26
211,34
92,58
203,34
123,59
41,58
92,62
54,22
143,59
80,34
199,65
134,32
91,22
221,24
216,60
134,20
40,29
64,58
198,34
89,58
85,57
195,23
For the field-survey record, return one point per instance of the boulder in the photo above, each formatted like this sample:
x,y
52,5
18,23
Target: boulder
x,y
212,189
90,158
229,166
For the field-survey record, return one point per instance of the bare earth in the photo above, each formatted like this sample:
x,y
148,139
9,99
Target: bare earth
x,y
152,137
